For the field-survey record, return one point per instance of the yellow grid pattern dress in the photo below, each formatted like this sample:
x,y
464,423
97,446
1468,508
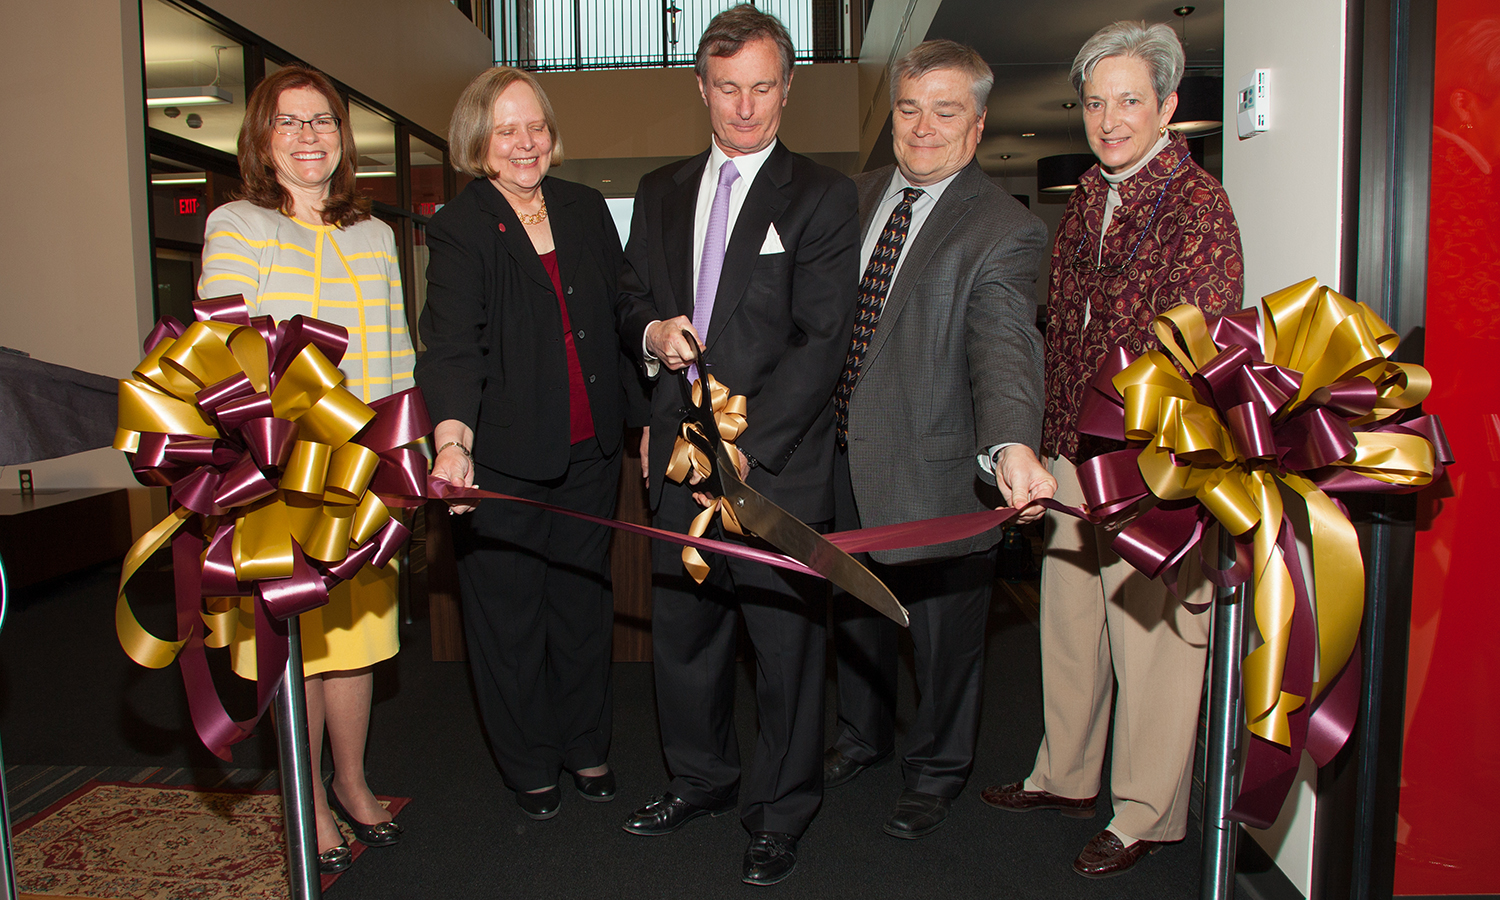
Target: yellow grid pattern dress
x,y
349,276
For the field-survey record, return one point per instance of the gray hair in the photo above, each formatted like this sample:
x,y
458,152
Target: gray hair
x,y
929,56
1155,45
737,26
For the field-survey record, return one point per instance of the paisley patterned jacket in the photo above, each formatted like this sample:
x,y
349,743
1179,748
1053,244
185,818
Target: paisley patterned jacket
x,y
1173,240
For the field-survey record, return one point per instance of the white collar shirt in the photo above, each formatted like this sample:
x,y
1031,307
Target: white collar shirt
x,y
748,166
920,210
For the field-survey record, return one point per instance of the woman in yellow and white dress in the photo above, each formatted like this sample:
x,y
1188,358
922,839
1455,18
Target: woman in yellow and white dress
x,y
301,242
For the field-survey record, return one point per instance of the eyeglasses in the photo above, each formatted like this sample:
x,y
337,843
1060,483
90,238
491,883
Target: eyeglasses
x,y
290,125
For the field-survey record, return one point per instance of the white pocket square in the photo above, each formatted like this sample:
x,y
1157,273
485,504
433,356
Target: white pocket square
x,y
772,243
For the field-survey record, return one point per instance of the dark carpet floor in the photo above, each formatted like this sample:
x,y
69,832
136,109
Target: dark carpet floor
x,y
70,697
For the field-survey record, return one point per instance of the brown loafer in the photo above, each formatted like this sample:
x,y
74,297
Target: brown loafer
x,y
1105,855
1015,798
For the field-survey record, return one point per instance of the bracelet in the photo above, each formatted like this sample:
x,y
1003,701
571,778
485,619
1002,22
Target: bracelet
x,y
461,449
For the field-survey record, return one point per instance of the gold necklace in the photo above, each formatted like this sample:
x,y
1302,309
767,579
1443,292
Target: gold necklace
x,y
535,218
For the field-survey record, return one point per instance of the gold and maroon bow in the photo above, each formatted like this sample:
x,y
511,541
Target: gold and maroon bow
x,y
688,457
282,484
1246,421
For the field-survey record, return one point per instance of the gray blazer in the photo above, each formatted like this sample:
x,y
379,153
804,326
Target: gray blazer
x,y
955,365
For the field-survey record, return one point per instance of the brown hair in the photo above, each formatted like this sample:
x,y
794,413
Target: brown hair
x,y
737,26
257,169
473,119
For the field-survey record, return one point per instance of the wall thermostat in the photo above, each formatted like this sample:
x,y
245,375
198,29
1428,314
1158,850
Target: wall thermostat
x,y
1255,103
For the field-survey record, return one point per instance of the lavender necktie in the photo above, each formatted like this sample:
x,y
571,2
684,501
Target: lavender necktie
x,y
712,262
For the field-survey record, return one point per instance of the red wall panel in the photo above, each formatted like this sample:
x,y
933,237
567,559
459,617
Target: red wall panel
x,y
1451,759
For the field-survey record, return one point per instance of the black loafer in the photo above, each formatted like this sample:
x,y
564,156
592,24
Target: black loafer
x,y
770,857
668,813
917,815
541,804
597,788
839,769
335,859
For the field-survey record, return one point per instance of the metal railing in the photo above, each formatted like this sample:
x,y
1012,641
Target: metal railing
x,y
552,35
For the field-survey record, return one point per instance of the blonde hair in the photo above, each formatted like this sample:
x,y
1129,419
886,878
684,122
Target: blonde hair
x,y
472,124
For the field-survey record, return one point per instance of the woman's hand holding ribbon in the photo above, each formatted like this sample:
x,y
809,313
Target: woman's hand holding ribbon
x,y
454,462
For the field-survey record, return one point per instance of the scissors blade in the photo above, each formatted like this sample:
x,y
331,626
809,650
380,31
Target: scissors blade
x,y
791,536
708,438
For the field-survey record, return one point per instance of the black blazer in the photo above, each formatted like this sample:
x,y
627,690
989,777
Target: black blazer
x,y
781,322
494,357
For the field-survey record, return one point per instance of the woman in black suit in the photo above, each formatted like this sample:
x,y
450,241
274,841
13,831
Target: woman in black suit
x,y
525,375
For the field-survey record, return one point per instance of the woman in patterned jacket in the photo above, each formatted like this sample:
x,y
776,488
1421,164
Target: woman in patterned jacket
x,y
1146,230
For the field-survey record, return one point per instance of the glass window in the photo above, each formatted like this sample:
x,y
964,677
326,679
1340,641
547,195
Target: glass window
x,y
195,77
428,165
375,139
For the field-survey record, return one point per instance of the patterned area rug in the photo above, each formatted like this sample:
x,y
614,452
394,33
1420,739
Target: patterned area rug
x,y
114,840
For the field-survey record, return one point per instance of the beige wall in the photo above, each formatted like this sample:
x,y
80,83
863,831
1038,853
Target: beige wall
x,y
658,113
414,56
1286,189
75,249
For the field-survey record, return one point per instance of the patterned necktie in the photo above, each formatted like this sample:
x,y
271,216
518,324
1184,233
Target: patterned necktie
x,y
712,261
872,291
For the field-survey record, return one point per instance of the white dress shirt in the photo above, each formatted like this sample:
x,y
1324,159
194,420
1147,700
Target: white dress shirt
x,y
748,166
920,209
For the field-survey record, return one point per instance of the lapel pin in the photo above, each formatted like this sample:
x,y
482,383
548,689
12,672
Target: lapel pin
x,y
502,227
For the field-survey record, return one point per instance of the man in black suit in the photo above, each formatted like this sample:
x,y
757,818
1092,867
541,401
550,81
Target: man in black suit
x,y
946,367
781,231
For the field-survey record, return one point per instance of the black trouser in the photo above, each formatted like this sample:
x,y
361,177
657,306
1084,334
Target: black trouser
x,y
539,616
948,601
694,642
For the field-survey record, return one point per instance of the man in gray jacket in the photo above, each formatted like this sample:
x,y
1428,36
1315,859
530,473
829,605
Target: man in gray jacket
x,y
945,367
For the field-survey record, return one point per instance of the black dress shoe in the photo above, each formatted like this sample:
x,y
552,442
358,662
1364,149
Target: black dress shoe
x,y
770,857
668,813
917,815
381,834
598,788
540,804
839,769
335,859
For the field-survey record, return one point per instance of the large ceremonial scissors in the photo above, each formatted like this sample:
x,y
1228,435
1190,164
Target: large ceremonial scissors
x,y
765,519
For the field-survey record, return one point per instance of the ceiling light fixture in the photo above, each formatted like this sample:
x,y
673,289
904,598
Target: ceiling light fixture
x,y
180,178
375,172
1028,134
1200,106
1200,98
1059,174
202,95
198,95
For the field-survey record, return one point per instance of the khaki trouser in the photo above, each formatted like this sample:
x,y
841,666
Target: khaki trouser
x,y
1103,623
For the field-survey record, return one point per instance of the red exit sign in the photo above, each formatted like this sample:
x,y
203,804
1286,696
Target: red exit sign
x,y
187,206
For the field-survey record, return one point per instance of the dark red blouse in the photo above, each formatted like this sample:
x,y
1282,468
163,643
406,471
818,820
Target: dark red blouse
x,y
1187,252
580,418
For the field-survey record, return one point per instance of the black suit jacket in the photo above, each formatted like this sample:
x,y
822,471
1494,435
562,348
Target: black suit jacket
x,y
781,321
495,358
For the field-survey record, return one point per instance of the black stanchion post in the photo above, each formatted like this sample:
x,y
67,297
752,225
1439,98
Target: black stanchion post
x,y
1219,834
297,775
